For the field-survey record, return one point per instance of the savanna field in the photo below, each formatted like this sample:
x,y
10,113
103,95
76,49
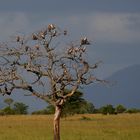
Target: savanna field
x,y
78,127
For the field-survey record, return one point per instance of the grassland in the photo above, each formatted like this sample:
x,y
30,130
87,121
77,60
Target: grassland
x,y
79,127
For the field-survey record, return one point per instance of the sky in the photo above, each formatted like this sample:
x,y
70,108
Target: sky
x,y
113,26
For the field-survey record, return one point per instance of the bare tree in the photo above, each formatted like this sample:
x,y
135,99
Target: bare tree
x,y
40,65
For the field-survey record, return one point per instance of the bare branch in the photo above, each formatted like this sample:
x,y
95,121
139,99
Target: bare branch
x,y
36,56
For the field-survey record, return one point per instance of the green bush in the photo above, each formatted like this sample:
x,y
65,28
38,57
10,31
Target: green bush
x,y
108,109
20,108
120,109
8,111
133,110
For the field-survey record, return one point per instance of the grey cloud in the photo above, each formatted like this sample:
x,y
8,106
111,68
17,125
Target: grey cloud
x,y
107,30
11,23
72,6
133,22
113,27
104,27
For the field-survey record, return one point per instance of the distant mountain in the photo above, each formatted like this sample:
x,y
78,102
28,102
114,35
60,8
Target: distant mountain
x,y
126,89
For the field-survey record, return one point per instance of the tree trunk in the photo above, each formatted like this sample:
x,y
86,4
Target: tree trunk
x,y
57,115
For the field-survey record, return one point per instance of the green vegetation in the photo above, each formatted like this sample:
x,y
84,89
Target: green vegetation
x,y
120,109
17,108
77,127
76,104
108,109
20,108
133,110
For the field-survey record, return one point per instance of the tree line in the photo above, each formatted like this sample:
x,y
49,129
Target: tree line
x,y
14,108
74,105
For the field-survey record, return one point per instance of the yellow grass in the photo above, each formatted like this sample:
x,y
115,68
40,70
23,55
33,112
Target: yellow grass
x,y
93,127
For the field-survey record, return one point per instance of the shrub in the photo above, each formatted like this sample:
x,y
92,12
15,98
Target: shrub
x,y
108,109
120,109
133,110
7,111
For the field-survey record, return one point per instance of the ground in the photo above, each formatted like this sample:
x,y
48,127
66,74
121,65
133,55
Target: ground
x,y
78,127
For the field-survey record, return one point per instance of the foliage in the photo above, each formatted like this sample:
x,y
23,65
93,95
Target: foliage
x,y
20,108
7,111
90,108
108,109
48,110
75,104
133,110
40,112
120,109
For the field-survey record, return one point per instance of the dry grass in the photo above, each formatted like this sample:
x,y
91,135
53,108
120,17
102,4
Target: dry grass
x,y
79,127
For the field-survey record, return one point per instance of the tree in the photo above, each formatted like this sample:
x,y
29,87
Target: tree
x,y
9,101
90,108
108,109
133,110
8,111
39,64
74,105
20,108
120,109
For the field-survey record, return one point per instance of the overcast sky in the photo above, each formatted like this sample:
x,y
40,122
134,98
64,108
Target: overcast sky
x,y
113,26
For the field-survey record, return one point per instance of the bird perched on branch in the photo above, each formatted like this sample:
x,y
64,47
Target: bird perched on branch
x,y
18,38
42,35
51,27
84,41
34,37
65,32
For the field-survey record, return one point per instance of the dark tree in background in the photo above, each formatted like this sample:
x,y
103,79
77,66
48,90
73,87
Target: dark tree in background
x,y
20,108
76,104
120,109
44,65
108,109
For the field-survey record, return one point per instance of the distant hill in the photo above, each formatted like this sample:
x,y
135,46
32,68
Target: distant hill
x,y
126,91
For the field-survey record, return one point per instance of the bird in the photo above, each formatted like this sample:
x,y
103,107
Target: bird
x,y
18,38
65,32
34,37
37,47
42,35
51,27
84,49
84,41
54,33
26,48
